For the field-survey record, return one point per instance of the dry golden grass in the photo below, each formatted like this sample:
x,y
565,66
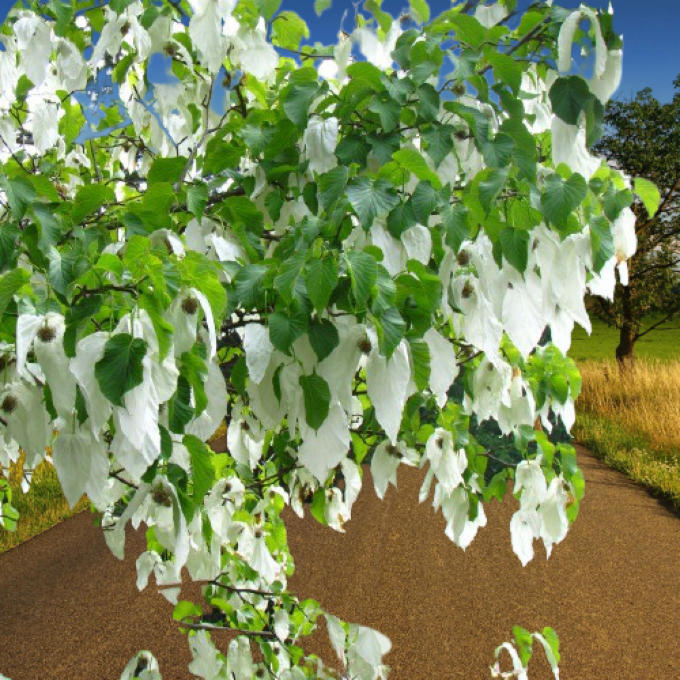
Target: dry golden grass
x,y
41,508
645,401
632,421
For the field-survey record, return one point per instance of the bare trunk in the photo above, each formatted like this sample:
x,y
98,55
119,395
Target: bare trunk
x,y
625,352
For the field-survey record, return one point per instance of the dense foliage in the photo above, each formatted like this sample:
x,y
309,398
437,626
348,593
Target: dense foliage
x,y
316,264
643,139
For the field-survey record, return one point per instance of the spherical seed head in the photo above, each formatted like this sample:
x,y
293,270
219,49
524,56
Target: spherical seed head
x,y
458,89
463,258
392,450
365,345
190,305
259,673
461,135
440,442
258,533
467,290
228,487
170,49
125,28
162,496
9,403
46,334
142,665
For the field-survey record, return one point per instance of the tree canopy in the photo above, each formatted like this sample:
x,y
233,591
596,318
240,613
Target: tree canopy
x,y
352,259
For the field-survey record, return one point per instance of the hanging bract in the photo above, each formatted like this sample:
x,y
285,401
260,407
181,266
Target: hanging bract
x,y
342,253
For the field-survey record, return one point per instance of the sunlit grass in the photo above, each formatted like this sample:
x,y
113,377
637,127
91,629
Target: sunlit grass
x,y
631,421
41,508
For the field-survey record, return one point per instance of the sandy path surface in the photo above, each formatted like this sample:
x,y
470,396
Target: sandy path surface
x,y
69,610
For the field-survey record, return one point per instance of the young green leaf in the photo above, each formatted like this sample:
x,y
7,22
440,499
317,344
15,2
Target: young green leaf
x,y
317,396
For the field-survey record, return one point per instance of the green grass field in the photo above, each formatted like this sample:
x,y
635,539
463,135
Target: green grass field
x,y
662,343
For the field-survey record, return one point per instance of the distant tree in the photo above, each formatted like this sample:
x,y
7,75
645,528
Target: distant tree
x,y
643,140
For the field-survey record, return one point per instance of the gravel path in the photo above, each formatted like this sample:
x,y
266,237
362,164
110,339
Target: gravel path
x,y
69,610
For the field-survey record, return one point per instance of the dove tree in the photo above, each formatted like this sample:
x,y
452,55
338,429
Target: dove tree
x,y
343,253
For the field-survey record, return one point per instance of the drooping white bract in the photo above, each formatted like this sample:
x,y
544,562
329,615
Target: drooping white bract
x,y
378,52
205,29
490,15
566,40
319,143
34,40
254,54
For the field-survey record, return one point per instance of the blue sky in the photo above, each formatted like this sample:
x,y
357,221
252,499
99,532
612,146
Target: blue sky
x,y
649,28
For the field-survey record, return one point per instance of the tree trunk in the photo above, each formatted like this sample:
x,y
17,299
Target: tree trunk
x,y
625,352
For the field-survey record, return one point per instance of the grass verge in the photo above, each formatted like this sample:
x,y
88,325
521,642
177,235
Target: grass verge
x,y
632,421
41,508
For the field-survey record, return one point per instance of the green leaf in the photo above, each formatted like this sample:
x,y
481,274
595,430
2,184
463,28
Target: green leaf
x,y
61,272
180,410
468,30
569,96
89,199
401,219
353,149
164,331
553,641
317,397
202,468
323,337
615,202
332,186
490,186
498,153
515,245
321,278
320,6
64,12
288,30
120,369
424,201
428,102
601,241
524,644
420,11
649,195
284,330
166,170
387,109
594,121
221,155
420,357
439,141
368,74
562,197
371,199
391,329
10,283
363,272
296,100
505,68
289,273
412,160
197,199
249,284
456,222
268,8
20,193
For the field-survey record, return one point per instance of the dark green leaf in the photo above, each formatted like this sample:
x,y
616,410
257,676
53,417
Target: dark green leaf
x,y
120,369
401,219
323,337
321,278
332,185
515,245
166,170
387,109
284,330
569,97
562,197
202,468
89,199
424,201
371,199
363,272
317,397
20,193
